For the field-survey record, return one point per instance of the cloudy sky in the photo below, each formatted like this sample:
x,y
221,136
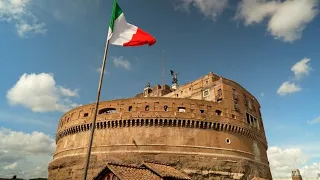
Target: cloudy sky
x,y
51,52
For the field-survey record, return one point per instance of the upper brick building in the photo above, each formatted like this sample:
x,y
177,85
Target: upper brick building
x,y
206,128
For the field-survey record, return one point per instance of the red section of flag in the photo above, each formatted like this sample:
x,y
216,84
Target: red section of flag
x,y
141,38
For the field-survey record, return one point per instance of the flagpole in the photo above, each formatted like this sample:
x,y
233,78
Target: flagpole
x,y
162,85
96,110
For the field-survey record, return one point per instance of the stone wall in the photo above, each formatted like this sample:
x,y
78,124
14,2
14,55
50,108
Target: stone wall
x,y
209,128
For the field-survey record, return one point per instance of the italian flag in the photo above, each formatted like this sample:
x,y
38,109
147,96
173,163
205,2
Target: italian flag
x,y
122,33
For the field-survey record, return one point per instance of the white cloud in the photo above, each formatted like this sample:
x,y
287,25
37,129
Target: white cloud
x,y
209,8
26,155
310,171
40,93
287,20
10,166
301,68
316,120
16,12
121,63
68,92
254,11
282,161
288,88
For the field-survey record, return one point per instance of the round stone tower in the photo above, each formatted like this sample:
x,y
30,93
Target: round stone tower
x,y
206,128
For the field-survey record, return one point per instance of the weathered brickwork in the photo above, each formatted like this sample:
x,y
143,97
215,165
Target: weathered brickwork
x,y
212,125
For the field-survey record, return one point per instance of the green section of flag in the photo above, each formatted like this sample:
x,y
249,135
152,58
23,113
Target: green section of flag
x,y
116,12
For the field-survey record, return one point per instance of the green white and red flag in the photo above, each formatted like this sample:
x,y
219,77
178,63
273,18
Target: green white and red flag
x,y
122,33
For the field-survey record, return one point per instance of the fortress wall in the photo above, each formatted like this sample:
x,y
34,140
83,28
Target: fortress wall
x,y
192,132
164,140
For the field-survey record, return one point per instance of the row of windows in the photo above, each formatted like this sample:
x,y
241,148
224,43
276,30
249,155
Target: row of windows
x,y
180,109
147,107
252,120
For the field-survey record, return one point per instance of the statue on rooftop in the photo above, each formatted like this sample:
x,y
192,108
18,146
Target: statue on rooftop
x,y
174,77
148,85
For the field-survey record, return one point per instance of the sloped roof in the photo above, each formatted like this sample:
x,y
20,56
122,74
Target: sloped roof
x,y
129,172
165,171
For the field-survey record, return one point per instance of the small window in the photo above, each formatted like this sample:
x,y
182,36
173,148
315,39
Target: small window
x,y
228,141
190,89
236,105
250,105
181,109
218,112
177,95
165,108
147,108
219,92
248,118
255,122
85,114
130,108
201,111
233,116
206,82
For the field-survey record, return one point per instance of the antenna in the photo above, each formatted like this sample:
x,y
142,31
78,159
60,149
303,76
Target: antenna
x,y
294,161
162,69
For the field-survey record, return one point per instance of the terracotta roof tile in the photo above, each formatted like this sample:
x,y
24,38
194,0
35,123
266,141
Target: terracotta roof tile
x,y
165,171
128,172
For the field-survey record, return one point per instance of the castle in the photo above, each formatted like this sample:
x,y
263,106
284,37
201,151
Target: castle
x,y
210,127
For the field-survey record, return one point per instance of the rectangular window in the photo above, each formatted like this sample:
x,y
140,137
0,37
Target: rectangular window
x,y
219,92
256,123
233,91
250,105
248,118
236,106
181,109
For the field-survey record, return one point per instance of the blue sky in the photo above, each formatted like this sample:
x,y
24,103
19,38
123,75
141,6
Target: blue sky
x,y
51,52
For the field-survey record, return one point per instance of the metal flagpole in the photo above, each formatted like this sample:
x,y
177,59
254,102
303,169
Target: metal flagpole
x,y
162,69
96,110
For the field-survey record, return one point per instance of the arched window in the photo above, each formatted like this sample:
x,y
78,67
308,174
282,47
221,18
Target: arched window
x,y
147,108
107,110
218,112
165,108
